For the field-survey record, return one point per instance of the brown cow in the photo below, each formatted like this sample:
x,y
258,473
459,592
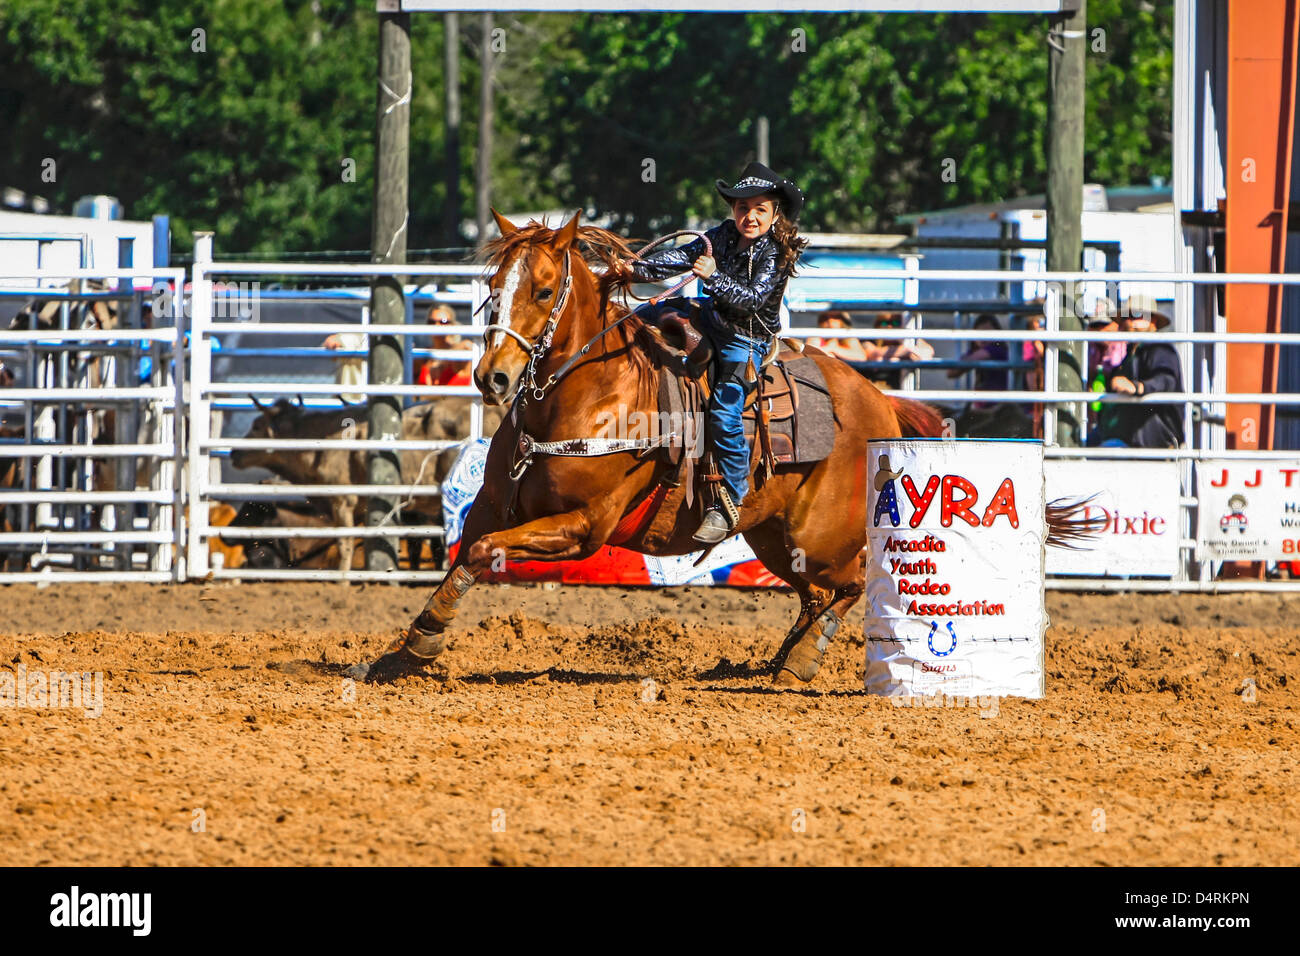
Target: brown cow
x,y
443,420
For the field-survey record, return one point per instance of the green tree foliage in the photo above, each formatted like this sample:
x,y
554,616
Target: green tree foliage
x,y
243,129
864,109
248,137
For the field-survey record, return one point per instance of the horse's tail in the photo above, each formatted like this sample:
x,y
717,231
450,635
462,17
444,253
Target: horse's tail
x,y
1068,525
916,419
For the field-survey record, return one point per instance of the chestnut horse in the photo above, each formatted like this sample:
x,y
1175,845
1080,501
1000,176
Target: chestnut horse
x,y
807,523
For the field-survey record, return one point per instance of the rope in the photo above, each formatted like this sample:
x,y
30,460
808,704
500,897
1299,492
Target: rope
x,y
402,100
410,492
655,299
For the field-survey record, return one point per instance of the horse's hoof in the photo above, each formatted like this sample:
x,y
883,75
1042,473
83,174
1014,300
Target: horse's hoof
x,y
358,671
786,677
800,666
389,667
424,644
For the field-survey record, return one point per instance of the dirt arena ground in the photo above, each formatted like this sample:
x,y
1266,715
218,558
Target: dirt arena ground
x,y
229,736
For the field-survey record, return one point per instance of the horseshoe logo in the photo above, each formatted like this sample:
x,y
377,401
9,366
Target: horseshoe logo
x,y
934,626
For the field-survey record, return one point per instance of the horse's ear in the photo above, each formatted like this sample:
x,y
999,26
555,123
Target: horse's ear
x,y
504,224
568,232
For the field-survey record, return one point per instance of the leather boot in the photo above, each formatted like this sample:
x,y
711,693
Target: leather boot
x,y
714,527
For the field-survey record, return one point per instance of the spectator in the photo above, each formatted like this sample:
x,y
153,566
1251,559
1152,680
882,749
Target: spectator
x,y
850,350
445,371
986,379
1103,357
1147,368
1032,354
350,369
898,350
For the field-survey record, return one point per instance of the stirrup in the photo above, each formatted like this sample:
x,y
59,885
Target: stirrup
x,y
729,509
714,528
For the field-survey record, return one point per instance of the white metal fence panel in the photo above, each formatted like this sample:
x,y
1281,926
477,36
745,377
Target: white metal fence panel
x,y
143,532
210,393
90,486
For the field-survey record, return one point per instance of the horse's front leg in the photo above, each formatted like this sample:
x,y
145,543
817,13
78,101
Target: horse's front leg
x,y
554,538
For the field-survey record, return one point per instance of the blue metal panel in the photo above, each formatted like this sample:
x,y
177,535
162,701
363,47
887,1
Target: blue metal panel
x,y
162,242
807,291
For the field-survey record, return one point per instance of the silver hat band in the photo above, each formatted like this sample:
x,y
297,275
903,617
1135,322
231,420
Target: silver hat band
x,y
753,181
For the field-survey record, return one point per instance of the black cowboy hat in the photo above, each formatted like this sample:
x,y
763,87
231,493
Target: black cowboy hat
x,y
757,179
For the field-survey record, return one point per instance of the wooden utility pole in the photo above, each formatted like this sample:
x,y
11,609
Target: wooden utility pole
x,y
762,150
388,246
451,135
1067,50
484,162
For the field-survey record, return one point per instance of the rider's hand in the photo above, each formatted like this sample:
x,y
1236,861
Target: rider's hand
x,y
704,267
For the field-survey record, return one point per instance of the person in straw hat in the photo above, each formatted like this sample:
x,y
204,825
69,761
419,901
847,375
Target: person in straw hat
x,y
1146,369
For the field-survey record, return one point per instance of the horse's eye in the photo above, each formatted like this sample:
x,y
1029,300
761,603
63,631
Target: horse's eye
x,y
545,293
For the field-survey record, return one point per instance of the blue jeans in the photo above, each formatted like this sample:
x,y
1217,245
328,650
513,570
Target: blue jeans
x,y
733,351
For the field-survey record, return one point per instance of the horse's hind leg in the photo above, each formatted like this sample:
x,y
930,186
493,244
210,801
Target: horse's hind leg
x,y
805,657
827,594
769,546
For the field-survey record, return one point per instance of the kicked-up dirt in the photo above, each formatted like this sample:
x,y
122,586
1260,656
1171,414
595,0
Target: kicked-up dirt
x,y
588,725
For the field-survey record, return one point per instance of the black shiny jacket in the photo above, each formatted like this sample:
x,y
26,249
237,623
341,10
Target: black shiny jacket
x,y
747,287
1156,366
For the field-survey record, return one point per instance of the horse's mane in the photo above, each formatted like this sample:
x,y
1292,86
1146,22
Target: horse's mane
x,y
599,247
603,249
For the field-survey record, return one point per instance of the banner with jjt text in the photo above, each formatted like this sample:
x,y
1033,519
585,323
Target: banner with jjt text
x,y
1249,510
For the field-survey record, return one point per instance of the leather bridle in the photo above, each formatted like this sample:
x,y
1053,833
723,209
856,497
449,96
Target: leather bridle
x,y
537,350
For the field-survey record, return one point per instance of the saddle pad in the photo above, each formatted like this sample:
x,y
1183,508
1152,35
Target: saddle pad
x,y
778,394
808,435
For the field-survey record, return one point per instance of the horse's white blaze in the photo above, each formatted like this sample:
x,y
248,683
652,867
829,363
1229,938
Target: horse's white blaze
x,y
514,277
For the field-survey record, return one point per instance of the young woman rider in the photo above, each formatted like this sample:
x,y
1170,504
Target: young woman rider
x,y
754,255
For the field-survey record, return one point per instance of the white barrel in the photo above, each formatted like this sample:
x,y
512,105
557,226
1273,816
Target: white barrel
x,y
955,535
